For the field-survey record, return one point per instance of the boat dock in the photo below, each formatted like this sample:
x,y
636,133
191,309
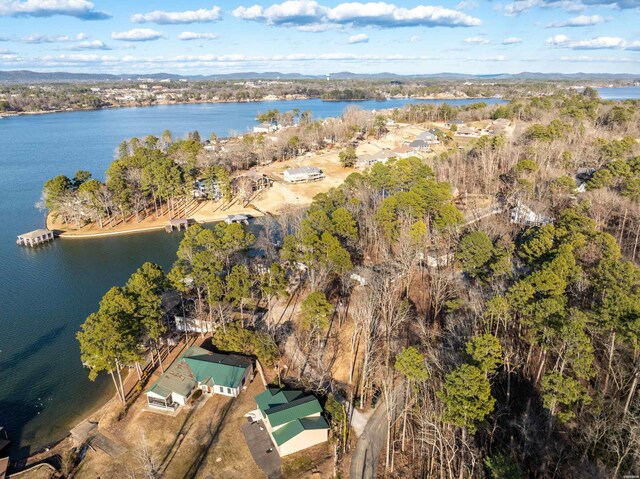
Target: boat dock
x,y
178,224
243,219
35,238
4,452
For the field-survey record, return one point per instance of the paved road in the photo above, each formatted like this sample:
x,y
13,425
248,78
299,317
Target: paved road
x,y
365,457
373,441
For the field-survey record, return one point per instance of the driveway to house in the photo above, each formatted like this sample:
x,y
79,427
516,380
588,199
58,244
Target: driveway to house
x,y
259,443
373,438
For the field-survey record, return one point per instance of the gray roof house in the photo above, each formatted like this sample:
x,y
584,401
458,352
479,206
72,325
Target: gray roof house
x,y
198,368
302,174
428,137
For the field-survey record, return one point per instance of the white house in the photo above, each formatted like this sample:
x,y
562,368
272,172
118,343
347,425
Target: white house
x,y
293,419
303,173
197,368
265,128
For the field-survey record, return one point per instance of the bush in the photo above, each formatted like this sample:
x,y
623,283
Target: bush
x,y
197,394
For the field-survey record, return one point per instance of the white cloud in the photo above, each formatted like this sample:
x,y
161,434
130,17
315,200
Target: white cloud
x,y
558,40
478,40
467,5
519,6
89,45
191,16
597,43
511,40
414,39
137,35
302,13
579,21
359,38
590,59
81,9
39,38
197,36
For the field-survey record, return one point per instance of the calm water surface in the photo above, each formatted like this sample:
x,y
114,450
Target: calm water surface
x,y
47,292
625,93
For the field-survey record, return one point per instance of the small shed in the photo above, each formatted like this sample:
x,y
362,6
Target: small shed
x,y
36,237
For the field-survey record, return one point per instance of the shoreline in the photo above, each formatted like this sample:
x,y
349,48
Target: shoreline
x,y
127,231
5,115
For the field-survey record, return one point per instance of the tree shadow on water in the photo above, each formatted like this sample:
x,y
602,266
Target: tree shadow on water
x,y
32,349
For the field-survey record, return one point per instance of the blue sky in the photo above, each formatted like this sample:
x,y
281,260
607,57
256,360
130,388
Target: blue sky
x,y
408,37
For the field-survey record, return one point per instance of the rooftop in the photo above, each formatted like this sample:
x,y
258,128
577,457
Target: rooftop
x,y
282,407
35,234
304,170
199,365
291,430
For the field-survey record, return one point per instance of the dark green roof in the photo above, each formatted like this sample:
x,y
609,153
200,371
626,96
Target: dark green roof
x,y
274,396
297,409
291,430
199,365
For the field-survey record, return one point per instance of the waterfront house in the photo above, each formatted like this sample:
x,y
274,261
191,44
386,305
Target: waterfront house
x,y
293,419
258,181
302,174
265,128
197,368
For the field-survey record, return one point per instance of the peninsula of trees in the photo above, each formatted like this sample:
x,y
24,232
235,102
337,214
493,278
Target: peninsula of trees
x,y
499,347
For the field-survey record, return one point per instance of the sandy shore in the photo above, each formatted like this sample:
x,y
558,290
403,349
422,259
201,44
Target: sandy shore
x,y
270,201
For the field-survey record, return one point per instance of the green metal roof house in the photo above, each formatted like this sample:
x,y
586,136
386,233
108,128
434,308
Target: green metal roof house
x,y
214,373
293,419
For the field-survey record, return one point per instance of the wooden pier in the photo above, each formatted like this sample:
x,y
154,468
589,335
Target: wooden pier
x,y
178,224
35,238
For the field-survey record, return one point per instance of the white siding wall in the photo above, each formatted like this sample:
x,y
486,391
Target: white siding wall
x,y
178,399
304,440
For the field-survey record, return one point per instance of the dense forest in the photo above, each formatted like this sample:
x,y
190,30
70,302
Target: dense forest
x,y
499,350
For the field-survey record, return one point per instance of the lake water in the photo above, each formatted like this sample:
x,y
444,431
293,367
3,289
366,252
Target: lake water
x,y
625,93
47,292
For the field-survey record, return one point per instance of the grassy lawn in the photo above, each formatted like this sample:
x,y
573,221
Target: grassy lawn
x,y
317,461
204,440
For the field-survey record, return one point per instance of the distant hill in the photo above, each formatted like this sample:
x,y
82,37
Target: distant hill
x,y
26,76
